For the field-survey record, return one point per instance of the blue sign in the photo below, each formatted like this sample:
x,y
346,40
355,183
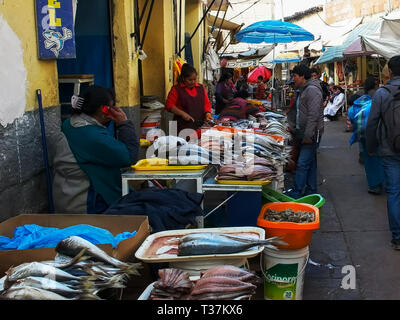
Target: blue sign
x,y
55,29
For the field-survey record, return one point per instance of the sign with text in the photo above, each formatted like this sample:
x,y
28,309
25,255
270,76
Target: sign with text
x,y
55,29
242,63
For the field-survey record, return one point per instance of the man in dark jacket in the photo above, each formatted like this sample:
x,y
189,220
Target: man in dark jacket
x,y
377,142
306,122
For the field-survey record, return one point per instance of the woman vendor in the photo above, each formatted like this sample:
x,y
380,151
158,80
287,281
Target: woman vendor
x,y
95,143
188,101
224,92
238,108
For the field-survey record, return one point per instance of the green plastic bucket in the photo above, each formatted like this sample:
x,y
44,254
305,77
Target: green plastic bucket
x,y
270,195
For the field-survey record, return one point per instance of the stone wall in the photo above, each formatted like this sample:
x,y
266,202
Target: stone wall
x,y
23,187
340,10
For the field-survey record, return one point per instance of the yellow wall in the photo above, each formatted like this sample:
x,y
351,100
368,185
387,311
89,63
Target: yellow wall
x,y
126,79
154,64
194,13
41,74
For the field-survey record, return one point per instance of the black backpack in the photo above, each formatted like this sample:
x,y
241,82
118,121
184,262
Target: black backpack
x,y
391,118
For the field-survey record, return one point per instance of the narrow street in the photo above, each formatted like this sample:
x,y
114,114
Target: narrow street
x,y
354,228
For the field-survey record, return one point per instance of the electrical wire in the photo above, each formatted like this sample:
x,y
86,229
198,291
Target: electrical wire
x,y
329,24
245,10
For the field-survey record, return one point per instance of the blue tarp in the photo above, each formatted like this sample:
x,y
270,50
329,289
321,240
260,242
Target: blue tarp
x,y
32,236
335,53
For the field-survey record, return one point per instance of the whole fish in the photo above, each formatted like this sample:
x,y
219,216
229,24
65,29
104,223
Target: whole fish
x,y
72,246
46,284
216,243
30,293
36,269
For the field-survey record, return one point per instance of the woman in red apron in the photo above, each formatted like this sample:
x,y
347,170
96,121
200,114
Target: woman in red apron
x,y
188,101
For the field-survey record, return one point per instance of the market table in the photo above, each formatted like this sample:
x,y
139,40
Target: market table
x,y
197,175
205,181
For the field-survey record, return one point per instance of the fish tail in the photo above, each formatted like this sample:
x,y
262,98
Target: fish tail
x,y
132,268
87,296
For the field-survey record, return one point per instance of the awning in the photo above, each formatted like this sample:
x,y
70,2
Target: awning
x,y
226,24
335,53
357,49
225,5
386,41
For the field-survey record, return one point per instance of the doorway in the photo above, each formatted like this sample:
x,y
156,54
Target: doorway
x,y
93,44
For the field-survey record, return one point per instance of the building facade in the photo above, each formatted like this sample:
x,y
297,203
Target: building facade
x,y
107,45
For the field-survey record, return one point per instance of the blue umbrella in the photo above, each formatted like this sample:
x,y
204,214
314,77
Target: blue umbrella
x,y
273,31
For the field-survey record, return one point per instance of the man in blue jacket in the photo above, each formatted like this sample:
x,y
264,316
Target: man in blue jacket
x,y
377,142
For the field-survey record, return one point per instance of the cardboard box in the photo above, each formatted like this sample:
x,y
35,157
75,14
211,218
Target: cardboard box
x,y
125,250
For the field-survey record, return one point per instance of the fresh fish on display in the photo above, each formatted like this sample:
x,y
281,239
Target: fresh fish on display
x,y
46,284
36,269
30,293
231,272
167,250
173,284
215,243
221,288
74,245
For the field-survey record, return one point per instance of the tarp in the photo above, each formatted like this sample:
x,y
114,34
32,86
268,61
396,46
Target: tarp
x,y
385,42
357,49
336,53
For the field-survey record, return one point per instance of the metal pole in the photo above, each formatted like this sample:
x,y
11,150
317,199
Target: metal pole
x,y
45,153
147,24
198,25
345,90
144,10
219,30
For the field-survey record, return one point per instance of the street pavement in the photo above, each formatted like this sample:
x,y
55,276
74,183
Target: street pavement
x,y
353,230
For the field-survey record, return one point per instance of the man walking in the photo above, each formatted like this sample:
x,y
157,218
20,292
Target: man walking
x,y
306,122
381,132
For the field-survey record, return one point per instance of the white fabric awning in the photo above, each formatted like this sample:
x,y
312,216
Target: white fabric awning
x,y
385,42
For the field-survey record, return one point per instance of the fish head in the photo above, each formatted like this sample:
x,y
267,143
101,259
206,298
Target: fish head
x,y
52,35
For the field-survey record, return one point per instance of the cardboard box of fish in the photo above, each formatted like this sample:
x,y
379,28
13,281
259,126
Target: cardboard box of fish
x,y
75,269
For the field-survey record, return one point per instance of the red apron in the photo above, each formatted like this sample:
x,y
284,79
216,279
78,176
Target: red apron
x,y
194,106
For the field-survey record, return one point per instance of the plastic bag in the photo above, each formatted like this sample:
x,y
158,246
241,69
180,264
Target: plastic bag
x,y
32,236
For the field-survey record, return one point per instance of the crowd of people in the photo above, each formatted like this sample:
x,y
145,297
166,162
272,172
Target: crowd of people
x,y
98,139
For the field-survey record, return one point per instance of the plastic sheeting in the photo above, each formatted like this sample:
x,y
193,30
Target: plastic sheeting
x,y
32,236
386,41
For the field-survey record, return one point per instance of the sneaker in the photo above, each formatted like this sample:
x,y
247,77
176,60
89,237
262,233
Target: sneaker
x,y
326,119
377,190
396,244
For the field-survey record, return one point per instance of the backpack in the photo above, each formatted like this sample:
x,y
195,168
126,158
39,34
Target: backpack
x,y
391,118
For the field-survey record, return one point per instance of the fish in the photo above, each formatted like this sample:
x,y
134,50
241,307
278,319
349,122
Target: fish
x,y
46,284
231,272
219,284
55,40
167,250
217,243
36,269
30,293
73,245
